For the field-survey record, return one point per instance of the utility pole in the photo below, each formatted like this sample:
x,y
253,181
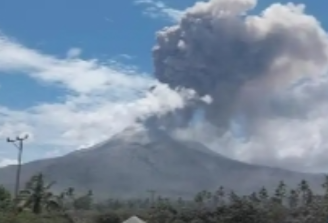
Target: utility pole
x,y
18,142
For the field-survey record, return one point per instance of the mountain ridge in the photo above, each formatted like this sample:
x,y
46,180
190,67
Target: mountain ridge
x,y
137,160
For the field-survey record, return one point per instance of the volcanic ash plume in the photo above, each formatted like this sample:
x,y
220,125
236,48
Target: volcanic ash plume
x,y
238,59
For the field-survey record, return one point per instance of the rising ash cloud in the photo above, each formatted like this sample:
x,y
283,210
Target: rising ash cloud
x,y
245,62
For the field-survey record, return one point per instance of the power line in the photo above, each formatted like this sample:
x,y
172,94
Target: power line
x,y
20,147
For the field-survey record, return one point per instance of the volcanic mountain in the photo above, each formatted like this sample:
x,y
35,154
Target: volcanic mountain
x,y
137,160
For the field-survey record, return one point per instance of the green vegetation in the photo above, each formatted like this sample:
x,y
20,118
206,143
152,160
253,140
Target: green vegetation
x,y
37,204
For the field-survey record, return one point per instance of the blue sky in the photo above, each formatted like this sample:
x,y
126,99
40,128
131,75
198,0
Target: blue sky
x,y
112,41
104,30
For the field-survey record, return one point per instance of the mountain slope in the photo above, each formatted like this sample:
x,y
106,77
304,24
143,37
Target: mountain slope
x,y
136,160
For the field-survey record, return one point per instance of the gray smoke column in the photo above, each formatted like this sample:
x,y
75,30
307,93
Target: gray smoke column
x,y
219,49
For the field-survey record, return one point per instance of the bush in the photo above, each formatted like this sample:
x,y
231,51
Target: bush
x,y
27,217
110,217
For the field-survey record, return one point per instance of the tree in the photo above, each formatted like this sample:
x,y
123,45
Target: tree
x,y
37,196
280,193
84,202
5,198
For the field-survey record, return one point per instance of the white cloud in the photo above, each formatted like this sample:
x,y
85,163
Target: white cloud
x,y
87,119
103,98
158,9
81,76
7,162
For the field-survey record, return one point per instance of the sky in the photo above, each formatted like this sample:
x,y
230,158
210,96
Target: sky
x,y
73,73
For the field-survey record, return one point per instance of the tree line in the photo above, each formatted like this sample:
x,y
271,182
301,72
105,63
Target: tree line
x,y
36,203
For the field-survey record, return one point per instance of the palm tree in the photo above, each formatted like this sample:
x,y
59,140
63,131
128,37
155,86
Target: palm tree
x,y
36,195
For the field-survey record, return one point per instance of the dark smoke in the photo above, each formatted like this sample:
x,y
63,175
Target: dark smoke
x,y
238,59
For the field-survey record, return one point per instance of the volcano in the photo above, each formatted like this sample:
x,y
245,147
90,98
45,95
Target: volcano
x,y
138,160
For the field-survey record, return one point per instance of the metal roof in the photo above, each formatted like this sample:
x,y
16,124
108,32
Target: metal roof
x,y
134,219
